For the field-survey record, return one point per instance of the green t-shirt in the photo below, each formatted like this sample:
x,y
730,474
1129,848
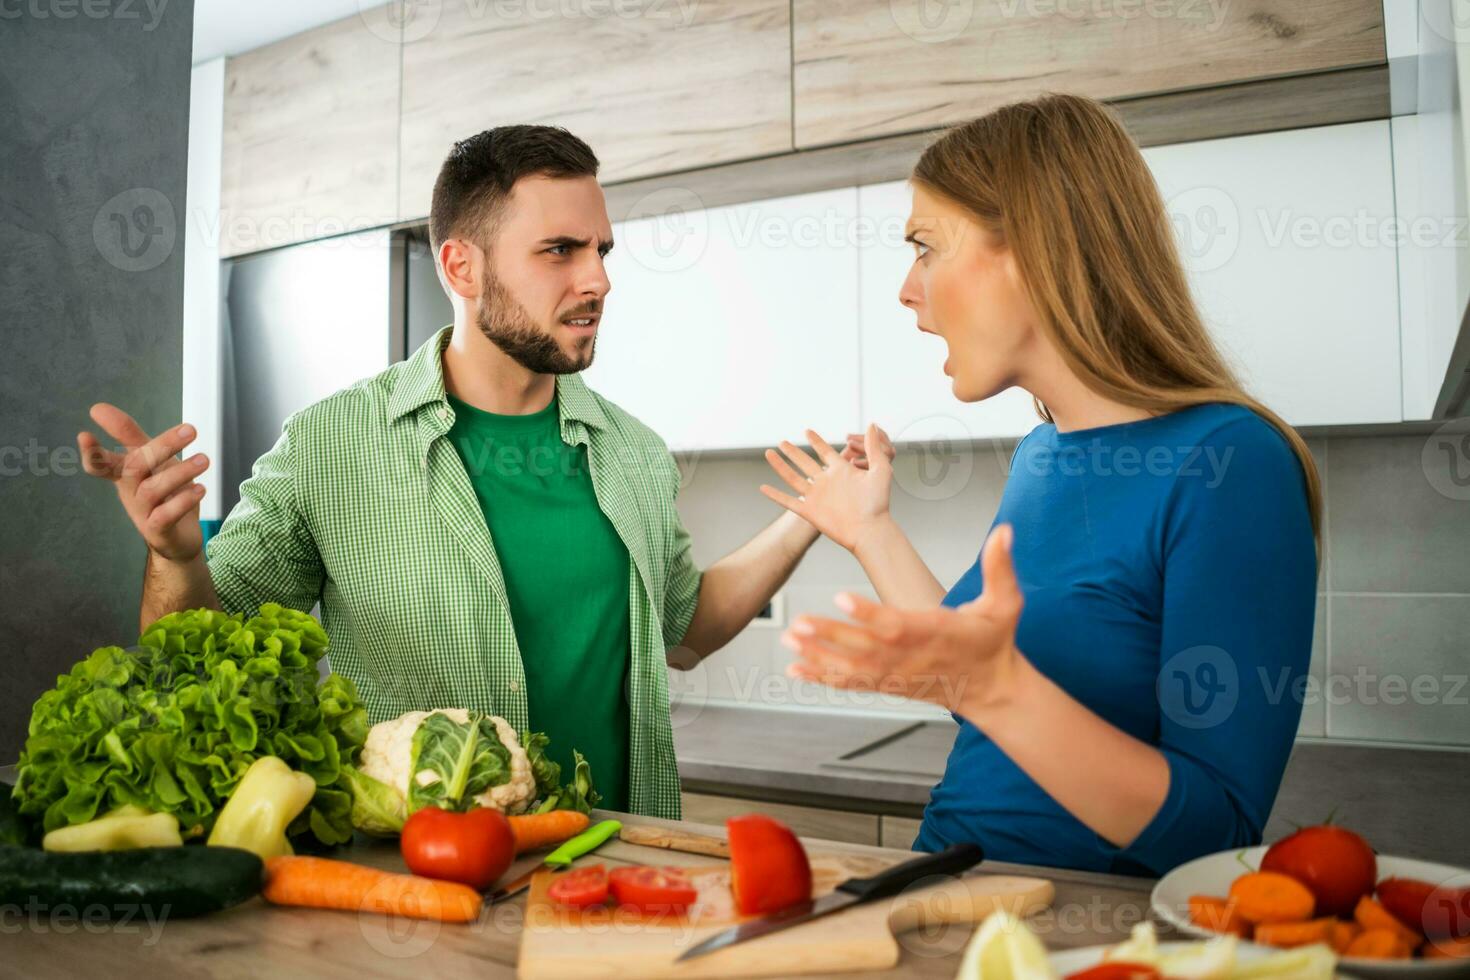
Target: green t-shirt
x,y
566,576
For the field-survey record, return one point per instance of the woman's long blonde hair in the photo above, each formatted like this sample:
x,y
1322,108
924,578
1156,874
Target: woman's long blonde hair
x,y
1062,184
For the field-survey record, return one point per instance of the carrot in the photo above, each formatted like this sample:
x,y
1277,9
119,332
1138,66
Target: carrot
x,y
1343,934
1380,944
324,883
533,830
1217,915
1288,934
1370,914
1269,896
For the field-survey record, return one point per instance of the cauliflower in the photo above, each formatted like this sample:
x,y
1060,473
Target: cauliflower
x,y
387,756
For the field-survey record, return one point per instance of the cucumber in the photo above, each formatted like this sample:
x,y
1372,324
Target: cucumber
x,y
167,882
12,827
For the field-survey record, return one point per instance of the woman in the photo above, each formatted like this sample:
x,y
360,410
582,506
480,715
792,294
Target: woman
x,y
1125,656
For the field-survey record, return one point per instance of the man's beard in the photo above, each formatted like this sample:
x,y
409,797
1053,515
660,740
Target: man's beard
x,y
508,326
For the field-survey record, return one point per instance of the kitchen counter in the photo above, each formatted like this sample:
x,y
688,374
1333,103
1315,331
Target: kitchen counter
x,y
825,758
256,939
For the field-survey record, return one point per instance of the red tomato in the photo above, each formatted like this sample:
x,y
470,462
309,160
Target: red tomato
x,y
581,887
652,889
769,870
472,848
1337,866
1116,971
1436,911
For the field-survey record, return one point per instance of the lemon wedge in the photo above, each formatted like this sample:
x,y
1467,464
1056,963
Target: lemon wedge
x,y
1315,962
1210,960
1004,949
1141,946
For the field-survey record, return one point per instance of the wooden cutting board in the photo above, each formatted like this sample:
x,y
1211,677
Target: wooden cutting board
x,y
568,943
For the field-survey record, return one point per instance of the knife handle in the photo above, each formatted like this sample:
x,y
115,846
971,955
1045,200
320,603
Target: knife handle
x,y
587,840
953,860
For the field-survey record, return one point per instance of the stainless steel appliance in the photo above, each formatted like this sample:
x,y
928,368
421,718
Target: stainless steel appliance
x,y
307,320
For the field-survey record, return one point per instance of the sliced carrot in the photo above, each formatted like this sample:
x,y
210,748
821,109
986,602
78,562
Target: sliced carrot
x,y
1343,933
1217,915
324,883
1370,914
1379,944
1269,896
1447,949
1288,934
533,830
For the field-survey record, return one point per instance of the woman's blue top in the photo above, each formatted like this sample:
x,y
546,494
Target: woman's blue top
x,y
1169,574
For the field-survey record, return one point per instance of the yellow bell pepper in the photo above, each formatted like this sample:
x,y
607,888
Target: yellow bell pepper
x,y
268,798
121,829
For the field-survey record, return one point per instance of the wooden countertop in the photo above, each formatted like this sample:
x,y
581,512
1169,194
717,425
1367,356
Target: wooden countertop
x,y
257,940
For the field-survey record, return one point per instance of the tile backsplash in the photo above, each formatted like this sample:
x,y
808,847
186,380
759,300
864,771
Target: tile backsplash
x,y
1391,650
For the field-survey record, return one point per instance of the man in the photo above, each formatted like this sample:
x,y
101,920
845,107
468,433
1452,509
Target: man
x,y
480,528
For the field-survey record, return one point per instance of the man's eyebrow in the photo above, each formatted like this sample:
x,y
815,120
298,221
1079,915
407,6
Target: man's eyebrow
x,y
571,241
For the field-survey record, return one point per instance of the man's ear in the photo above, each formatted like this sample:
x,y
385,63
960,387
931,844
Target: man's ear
x,y
460,264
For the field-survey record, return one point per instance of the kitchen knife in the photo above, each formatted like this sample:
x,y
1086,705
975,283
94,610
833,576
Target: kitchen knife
x,y
953,860
588,840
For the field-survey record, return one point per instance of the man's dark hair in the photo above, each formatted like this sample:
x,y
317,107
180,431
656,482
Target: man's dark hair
x,y
475,179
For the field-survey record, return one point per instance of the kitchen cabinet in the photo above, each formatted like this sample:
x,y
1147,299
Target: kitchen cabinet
x,y
1286,240
310,135
897,831
735,327
866,68
653,88
806,821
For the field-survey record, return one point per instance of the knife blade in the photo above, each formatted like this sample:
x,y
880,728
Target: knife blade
x,y
588,840
953,860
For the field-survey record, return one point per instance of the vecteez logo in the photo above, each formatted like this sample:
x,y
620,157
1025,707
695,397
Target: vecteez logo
x,y
135,230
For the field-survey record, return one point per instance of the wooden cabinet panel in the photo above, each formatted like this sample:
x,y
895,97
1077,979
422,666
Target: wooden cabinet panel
x,y
897,831
310,140
653,87
865,68
807,821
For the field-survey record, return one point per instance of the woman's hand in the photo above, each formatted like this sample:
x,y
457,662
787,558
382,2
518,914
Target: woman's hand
x,y
844,495
963,659
856,450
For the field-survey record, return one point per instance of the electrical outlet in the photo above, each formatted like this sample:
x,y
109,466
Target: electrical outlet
x,y
774,613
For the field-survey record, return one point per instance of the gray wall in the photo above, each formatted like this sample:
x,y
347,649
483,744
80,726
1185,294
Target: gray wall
x,y
1391,655
95,103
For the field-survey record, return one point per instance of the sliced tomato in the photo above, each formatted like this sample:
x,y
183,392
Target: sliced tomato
x,y
1116,971
652,889
581,887
769,870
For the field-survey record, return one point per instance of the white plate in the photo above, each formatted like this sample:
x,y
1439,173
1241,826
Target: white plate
x,y
1212,875
1068,961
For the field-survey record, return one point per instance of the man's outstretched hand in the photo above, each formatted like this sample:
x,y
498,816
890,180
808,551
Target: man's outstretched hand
x,y
157,489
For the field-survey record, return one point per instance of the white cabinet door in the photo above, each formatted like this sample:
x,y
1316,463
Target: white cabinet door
x,y
735,327
905,389
1288,239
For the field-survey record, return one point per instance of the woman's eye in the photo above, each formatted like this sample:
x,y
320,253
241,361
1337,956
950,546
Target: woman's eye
x,y
920,249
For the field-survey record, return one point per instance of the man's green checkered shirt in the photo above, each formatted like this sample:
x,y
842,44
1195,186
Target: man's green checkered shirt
x,y
365,506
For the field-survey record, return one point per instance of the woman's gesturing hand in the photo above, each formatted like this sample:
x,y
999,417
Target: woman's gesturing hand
x,y
833,493
960,659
